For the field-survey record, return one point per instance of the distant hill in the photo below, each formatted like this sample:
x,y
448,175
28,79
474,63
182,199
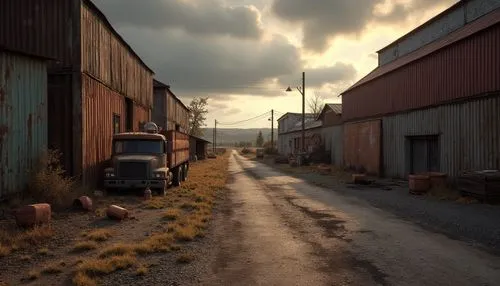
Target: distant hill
x,y
229,136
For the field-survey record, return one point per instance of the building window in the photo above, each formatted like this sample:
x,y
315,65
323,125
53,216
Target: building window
x,y
116,123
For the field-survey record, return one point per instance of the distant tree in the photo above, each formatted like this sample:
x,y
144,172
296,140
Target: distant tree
x,y
260,140
316,104
197,116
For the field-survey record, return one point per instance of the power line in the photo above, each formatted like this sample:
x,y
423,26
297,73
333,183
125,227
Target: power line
x,y
246,120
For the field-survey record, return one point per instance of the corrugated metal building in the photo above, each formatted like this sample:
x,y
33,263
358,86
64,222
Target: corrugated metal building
x,y
198,148
168,110
432,107
98,85
293,137
286,123
23,117
332,132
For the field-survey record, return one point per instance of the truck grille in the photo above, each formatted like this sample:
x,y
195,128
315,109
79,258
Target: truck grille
x,y
133,170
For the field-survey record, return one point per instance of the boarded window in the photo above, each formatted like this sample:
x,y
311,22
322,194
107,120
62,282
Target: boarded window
x,y
116,123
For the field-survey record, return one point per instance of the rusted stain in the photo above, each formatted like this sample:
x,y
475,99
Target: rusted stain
x,y
4,129
29,126
2,96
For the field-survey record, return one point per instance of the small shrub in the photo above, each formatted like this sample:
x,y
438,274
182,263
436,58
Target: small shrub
x,y
117,250
43,251
52,269
141,270
171,214
98,235
84,246
81,279
48,182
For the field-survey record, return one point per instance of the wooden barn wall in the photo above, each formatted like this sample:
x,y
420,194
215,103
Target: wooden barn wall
x,y
107,59
100,103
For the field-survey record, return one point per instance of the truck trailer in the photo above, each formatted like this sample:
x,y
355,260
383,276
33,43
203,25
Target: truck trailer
x,y
152,158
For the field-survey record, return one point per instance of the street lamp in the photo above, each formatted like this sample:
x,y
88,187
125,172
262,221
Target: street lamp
x,y
302,91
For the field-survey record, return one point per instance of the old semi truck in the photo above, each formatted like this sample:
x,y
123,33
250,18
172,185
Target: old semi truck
x,y
152,158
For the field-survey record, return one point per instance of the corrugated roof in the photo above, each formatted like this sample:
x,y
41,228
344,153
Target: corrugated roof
x,y
336,107
427,23
468,30
199,139
307,115
106,22
309,123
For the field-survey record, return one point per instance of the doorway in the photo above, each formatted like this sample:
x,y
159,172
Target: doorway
x,y
422,154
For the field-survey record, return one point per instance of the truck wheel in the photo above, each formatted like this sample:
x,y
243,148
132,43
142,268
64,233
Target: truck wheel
x,y
177,177
184,173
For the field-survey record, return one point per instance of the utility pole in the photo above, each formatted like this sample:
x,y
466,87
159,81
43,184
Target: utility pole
x,y
272,130
303,111
215,137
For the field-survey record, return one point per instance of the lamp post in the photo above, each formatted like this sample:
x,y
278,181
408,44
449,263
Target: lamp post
x,y
302,91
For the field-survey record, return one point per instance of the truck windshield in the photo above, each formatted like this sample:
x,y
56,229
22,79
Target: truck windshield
x,y
138,146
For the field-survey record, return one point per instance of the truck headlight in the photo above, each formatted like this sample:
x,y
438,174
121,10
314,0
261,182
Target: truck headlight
x,y
159,175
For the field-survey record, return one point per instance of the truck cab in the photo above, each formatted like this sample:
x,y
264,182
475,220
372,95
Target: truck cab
x,y
140,160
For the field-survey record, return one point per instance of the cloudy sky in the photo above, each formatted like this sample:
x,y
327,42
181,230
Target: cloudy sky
x,y
243,54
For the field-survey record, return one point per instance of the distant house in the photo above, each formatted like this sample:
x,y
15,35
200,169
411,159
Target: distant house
x,y
332,131
290,133
198,148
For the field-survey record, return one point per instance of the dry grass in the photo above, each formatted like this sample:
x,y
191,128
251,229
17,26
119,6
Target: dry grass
x,y
33,275
119,249
172,214
185,258
54,268
48,183
97,267
444,193
4,250
43,251
141,270
84,246
98,235
155,203
82,279
190,208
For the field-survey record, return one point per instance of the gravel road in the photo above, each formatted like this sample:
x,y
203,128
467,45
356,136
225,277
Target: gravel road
x,y
475,224
281,230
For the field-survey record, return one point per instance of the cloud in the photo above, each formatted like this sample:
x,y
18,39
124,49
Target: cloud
x,y
232,111
319,77
207,17
322,21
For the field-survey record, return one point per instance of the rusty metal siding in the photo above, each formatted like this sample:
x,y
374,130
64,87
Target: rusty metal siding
x,y
362,146
100,103
333,138
177,113
107,59
39,27
464,69
23,118
469,137
141,116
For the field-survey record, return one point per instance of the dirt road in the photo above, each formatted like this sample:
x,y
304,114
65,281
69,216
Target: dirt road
x,y
282,231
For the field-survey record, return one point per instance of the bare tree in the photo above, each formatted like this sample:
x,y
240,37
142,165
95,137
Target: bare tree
x,y
197,116
316,104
